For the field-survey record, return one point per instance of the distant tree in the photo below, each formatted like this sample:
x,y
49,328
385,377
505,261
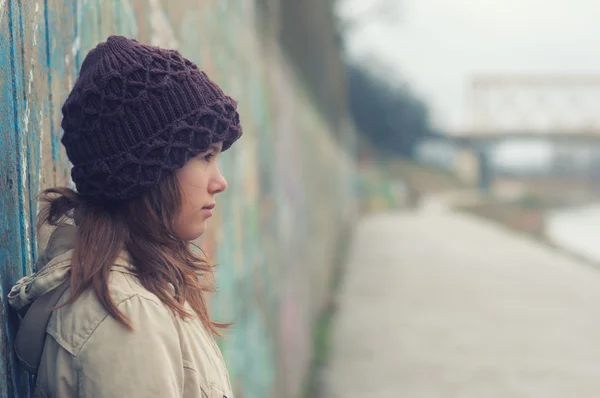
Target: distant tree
x,y
390,115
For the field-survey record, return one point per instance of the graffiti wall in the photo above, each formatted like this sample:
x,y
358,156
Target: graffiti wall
x,y
290,177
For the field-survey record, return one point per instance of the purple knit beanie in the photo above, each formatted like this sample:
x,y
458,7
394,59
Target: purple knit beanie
x,y
136,111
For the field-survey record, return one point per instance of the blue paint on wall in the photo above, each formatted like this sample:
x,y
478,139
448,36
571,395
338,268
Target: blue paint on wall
x,y
11,243
49,67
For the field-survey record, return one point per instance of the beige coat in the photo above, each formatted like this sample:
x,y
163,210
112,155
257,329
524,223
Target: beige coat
x,y
87,353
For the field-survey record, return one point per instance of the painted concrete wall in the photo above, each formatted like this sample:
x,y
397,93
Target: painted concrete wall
x,y
290,181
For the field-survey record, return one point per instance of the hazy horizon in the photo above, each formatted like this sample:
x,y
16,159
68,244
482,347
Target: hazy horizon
x,y
437,46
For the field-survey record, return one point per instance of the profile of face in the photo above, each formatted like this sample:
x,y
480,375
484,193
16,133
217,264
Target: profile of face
x,y
200,181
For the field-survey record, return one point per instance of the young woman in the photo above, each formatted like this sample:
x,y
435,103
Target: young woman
x,y
143,127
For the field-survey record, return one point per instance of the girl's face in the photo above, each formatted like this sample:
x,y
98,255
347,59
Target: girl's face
x,y
200,181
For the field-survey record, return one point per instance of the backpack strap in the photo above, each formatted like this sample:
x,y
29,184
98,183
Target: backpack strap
x,y
29,342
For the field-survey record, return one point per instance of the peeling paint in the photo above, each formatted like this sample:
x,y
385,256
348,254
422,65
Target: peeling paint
x,y
162,32
129,12
76,47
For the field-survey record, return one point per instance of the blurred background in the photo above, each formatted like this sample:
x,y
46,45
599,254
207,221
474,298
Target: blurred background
x,y
503,96
411,210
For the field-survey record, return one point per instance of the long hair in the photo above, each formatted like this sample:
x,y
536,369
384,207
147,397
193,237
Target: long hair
x,y
167,266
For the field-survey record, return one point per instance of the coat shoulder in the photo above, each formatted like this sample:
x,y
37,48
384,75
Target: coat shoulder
x,y
71,326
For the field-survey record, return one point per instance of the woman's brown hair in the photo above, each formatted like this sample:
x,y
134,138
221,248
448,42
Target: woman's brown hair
x,y
166,266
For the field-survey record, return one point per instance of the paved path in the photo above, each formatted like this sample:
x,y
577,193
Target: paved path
x,y
438,304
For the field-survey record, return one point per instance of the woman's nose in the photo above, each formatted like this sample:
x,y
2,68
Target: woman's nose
x,y
219,183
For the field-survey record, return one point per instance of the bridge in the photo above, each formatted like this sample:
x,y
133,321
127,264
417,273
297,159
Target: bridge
x,y
561,112
535,106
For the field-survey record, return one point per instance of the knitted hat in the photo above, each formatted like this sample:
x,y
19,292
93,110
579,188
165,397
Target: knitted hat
x,y
137,111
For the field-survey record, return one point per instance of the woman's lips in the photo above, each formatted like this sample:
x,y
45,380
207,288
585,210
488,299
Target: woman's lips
x,y
208,210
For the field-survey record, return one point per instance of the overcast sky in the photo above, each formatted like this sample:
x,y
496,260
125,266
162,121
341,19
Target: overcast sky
x,y
438,45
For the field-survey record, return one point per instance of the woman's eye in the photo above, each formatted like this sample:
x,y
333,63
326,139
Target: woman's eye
x,y
208,157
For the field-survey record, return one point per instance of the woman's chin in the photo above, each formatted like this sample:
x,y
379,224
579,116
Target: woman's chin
x,y
193,232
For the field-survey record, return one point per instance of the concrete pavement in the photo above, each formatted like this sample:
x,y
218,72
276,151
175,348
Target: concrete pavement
x,y
440,304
